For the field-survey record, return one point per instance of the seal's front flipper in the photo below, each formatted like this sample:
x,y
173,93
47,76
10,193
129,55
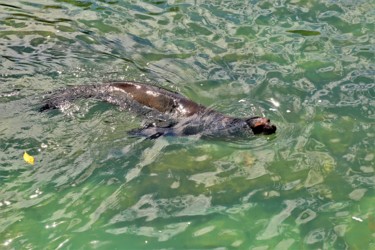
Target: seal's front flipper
x,y
152,132
160,123
155,136
47,107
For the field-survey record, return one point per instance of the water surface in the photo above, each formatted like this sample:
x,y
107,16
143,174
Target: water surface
x,y
307,65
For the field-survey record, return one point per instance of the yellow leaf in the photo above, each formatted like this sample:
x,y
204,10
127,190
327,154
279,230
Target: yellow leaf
x,y
28,158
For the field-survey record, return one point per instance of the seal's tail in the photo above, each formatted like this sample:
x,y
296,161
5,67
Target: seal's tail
x,y
67,95
104,92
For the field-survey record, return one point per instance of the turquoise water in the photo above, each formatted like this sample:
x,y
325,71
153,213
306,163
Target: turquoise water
x,y
307,65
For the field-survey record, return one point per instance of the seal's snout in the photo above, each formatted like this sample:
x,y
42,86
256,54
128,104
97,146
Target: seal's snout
x,y
261,125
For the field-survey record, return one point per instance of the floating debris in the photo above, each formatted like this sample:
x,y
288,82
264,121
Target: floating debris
x,y
28,158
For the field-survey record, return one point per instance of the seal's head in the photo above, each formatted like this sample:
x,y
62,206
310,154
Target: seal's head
x,y
261,125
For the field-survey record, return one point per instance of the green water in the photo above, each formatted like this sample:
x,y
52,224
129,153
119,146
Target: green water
x,y
307,65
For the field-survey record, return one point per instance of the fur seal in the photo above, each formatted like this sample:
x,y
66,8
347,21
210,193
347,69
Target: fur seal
x,y
172,113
